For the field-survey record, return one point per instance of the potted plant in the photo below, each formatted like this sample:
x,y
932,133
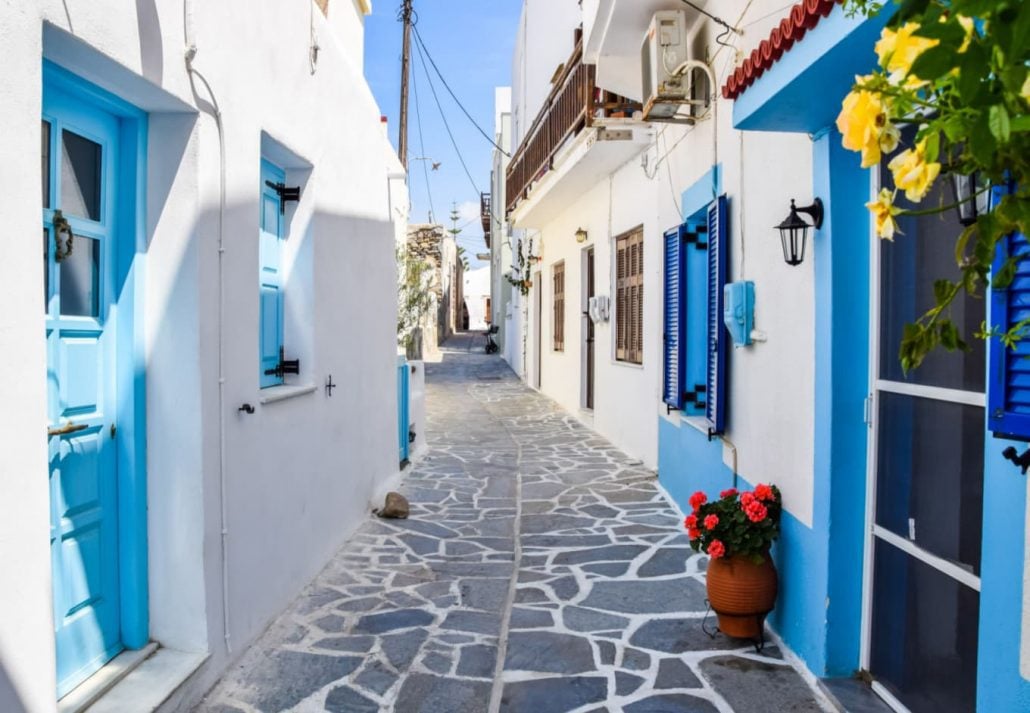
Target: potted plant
x,y
736,532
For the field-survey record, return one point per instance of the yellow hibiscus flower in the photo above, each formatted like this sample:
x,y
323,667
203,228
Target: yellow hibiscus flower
x,y
883,211
862,119
912,173
898,50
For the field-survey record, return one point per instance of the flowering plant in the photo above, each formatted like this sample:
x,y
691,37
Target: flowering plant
x,y
737,524
957,70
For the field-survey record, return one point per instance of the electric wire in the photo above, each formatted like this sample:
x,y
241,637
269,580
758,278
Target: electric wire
x,y
446,125
432,62
422,145
728,28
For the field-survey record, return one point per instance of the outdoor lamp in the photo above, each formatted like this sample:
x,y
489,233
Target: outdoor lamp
x,y
581,236
971,196
794,230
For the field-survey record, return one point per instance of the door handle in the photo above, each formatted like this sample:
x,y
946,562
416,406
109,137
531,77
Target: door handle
x,y
67,428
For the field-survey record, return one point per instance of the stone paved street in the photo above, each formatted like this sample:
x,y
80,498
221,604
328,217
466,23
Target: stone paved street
x,y
540,570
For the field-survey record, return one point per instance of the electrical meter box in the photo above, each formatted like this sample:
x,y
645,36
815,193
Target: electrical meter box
x,y
739,311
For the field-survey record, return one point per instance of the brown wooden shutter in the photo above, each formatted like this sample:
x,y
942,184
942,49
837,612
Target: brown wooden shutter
x,y
558,322
620,298
629,297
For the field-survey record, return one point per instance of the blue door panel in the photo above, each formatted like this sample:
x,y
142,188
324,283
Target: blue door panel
x,y
403,401
81,397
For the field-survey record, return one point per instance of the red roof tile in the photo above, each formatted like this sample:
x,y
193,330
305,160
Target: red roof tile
x,y
802,17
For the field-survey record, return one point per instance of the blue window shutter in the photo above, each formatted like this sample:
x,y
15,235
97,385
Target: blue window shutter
x,y
715,402
1008,386
270,274
674,367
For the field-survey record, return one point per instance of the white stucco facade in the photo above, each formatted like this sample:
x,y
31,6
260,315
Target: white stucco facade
x,y
242,509
643,186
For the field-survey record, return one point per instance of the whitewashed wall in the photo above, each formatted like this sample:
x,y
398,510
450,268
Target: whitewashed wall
x,y
299,473
778,167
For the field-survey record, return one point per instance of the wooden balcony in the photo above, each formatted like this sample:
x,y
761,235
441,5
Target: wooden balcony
x,y
486,216
574,104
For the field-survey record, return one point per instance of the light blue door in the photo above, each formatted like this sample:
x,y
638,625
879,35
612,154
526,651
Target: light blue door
x,y
403,406
79,160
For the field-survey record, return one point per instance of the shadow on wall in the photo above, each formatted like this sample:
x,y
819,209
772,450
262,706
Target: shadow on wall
x,y
10,701
151,46
288,508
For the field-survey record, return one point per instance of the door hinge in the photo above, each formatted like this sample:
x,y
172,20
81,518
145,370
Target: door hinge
x,y
868,416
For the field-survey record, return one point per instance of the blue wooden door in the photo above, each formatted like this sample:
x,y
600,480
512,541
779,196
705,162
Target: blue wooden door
x,y
79,160
403,401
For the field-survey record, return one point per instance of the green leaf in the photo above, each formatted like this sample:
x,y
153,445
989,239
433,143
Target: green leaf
x,y
981,141
998,121
935,62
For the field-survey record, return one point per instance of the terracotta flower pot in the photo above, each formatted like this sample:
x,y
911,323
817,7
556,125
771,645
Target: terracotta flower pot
x,y
742,593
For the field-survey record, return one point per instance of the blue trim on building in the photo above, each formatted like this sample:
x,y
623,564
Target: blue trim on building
x,y
803,90
841,255
131,373
999,684
703,191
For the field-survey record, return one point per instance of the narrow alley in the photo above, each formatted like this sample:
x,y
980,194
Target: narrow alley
x,y
540,570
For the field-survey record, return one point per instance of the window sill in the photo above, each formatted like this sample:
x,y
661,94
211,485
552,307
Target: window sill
x,y
275,394
698,423
630,364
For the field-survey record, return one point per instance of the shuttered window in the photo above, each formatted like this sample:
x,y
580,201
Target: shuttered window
x,y
558,319
715,403
1008,386
629,297
695,339
270,274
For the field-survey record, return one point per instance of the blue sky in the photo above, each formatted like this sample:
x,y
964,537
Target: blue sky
x,y
471,42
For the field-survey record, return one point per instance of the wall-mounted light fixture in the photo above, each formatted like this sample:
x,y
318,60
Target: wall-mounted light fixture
x,y
972,196
794,230
581,236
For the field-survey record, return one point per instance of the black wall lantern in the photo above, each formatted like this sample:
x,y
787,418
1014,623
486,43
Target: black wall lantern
x,y
794,230
972,196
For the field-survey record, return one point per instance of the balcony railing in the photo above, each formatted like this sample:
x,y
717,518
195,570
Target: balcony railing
x,y
485,214
573,105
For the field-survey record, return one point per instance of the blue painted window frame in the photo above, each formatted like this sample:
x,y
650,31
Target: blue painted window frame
x,y
1008,381
271,290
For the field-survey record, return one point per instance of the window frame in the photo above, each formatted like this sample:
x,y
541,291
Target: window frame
x,y
629,336
275,173
558,307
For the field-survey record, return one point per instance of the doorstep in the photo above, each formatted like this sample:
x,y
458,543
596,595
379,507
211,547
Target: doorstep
x,y
852,695
151,680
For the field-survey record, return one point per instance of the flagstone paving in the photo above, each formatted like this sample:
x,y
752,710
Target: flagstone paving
x,y
541,570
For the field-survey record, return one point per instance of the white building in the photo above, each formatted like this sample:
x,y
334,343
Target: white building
x,y
477,298
211,351
896,501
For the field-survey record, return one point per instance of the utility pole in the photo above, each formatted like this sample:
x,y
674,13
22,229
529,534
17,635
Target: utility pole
x,y
402,149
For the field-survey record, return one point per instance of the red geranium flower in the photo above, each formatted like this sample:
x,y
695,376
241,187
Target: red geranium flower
x,y
763,492
716,549
746,499
755,511
693,533
690,522
728,493
711,521
698,499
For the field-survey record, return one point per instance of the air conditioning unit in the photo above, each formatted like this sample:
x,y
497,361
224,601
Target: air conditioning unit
x,y
663,52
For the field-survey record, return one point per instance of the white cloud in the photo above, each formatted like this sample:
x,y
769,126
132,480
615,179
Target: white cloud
x,y
467,211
